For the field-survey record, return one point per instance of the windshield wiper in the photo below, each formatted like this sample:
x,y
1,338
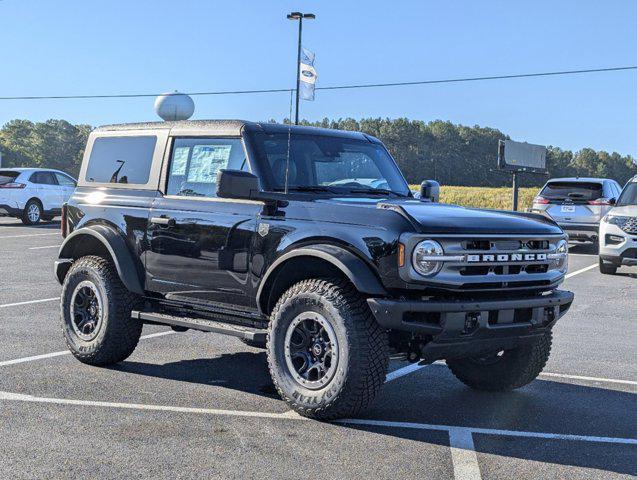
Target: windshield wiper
x,y
376,191
307,188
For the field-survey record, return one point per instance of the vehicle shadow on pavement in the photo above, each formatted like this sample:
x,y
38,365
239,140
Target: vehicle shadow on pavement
x,y
40,226
242,371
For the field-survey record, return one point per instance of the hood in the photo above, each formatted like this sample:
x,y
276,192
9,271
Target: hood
x,y
440,218
625,211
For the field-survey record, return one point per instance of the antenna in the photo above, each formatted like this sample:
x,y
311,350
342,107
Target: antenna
x,y
287,161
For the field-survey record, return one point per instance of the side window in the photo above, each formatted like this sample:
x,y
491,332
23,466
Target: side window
x,y
43,178
121,160
195,162
64,181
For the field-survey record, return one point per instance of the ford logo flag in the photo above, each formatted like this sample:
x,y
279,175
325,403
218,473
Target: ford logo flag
x,y
307,76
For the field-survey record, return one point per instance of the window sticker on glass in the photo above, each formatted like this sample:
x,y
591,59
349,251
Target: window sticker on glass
x,y
206,161
180,160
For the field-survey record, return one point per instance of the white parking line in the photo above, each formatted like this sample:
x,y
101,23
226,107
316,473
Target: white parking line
x,y
48,246
66,352
28,302
32,235
581,270
459,432
138,406
401,372
588,379
463,455
491,431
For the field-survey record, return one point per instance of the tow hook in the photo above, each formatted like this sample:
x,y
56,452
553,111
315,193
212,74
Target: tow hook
x,y
471,323
549,315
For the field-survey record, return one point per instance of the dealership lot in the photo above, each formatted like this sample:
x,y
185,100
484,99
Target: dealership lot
x,y
200,405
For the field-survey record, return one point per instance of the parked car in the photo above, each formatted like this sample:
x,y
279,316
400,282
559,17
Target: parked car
x,y
577,204
618,232
34,194
276,235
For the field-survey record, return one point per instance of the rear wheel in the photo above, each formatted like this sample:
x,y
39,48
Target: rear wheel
x,y
327,355
606,268
504,370
96,313
32,213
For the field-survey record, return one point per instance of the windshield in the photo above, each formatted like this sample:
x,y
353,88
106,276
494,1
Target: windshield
x,y
8,176
628,196
323,163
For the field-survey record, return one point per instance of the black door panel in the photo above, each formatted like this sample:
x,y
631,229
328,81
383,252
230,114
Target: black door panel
x,y
199,249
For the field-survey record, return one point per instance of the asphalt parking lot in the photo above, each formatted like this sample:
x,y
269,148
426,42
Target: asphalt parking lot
x,y
196,405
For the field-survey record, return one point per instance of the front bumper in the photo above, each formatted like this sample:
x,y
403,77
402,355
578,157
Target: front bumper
x,y
462,328
617,254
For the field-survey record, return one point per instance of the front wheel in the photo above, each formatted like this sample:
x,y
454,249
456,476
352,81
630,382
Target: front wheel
x,y
327,355
96,313
504,370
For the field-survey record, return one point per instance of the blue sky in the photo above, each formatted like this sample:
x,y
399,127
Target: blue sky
x,y
91,47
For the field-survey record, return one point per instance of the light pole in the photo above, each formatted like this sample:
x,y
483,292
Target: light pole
x,y
299,16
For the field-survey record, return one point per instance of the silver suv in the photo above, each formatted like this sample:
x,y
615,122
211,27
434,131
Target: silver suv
x,y
577,204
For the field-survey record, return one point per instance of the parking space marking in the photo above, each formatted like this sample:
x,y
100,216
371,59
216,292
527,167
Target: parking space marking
x,y
581,270
491,431
460,438
40,248
67,352
19,397
588,379
31,235
401,372
16,304
463,455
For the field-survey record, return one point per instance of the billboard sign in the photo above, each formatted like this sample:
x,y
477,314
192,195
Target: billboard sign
x,y
521,157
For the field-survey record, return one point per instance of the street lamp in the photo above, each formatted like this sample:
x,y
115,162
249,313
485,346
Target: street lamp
x,y
299,16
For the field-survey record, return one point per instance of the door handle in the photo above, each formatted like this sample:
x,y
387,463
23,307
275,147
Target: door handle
x,y
163,220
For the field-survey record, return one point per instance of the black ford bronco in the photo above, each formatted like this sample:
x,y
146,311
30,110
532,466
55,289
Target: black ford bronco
x,y
308,243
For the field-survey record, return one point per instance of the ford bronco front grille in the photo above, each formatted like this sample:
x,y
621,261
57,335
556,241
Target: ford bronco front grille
x,y
483,263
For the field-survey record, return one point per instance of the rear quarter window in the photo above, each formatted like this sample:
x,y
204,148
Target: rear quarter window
x,y
121,160
8,176
573,190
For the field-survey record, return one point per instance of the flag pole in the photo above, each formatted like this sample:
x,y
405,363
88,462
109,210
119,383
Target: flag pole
x,y
298,72
299,16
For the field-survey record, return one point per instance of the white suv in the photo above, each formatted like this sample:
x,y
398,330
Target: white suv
x,y
34,194
618,232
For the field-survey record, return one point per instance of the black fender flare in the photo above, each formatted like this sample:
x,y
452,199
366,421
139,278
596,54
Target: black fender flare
x,y
353,267
127,268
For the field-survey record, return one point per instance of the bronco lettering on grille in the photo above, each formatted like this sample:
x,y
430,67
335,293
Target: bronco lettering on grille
x,y
506,257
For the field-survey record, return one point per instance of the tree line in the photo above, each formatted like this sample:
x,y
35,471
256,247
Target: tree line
x,y
452,154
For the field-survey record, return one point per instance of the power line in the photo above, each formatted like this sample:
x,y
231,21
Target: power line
x,y
333,87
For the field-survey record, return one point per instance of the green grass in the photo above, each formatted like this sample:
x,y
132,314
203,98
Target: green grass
x,y
484,197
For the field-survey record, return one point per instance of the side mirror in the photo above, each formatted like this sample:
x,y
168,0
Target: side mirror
x,y
612,201
430,190
237,184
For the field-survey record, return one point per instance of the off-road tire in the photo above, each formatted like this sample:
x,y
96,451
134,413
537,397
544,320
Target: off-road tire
x,y
254,344
607,269
119,333
517,367
25,213
362,344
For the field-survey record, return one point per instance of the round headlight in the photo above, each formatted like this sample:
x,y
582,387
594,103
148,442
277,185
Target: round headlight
x,y
562,262
423,258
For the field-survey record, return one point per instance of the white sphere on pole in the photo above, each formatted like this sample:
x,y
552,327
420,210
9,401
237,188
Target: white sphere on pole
x,y
174,106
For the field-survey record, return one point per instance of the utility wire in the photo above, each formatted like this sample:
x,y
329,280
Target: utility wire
x,y
334,87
